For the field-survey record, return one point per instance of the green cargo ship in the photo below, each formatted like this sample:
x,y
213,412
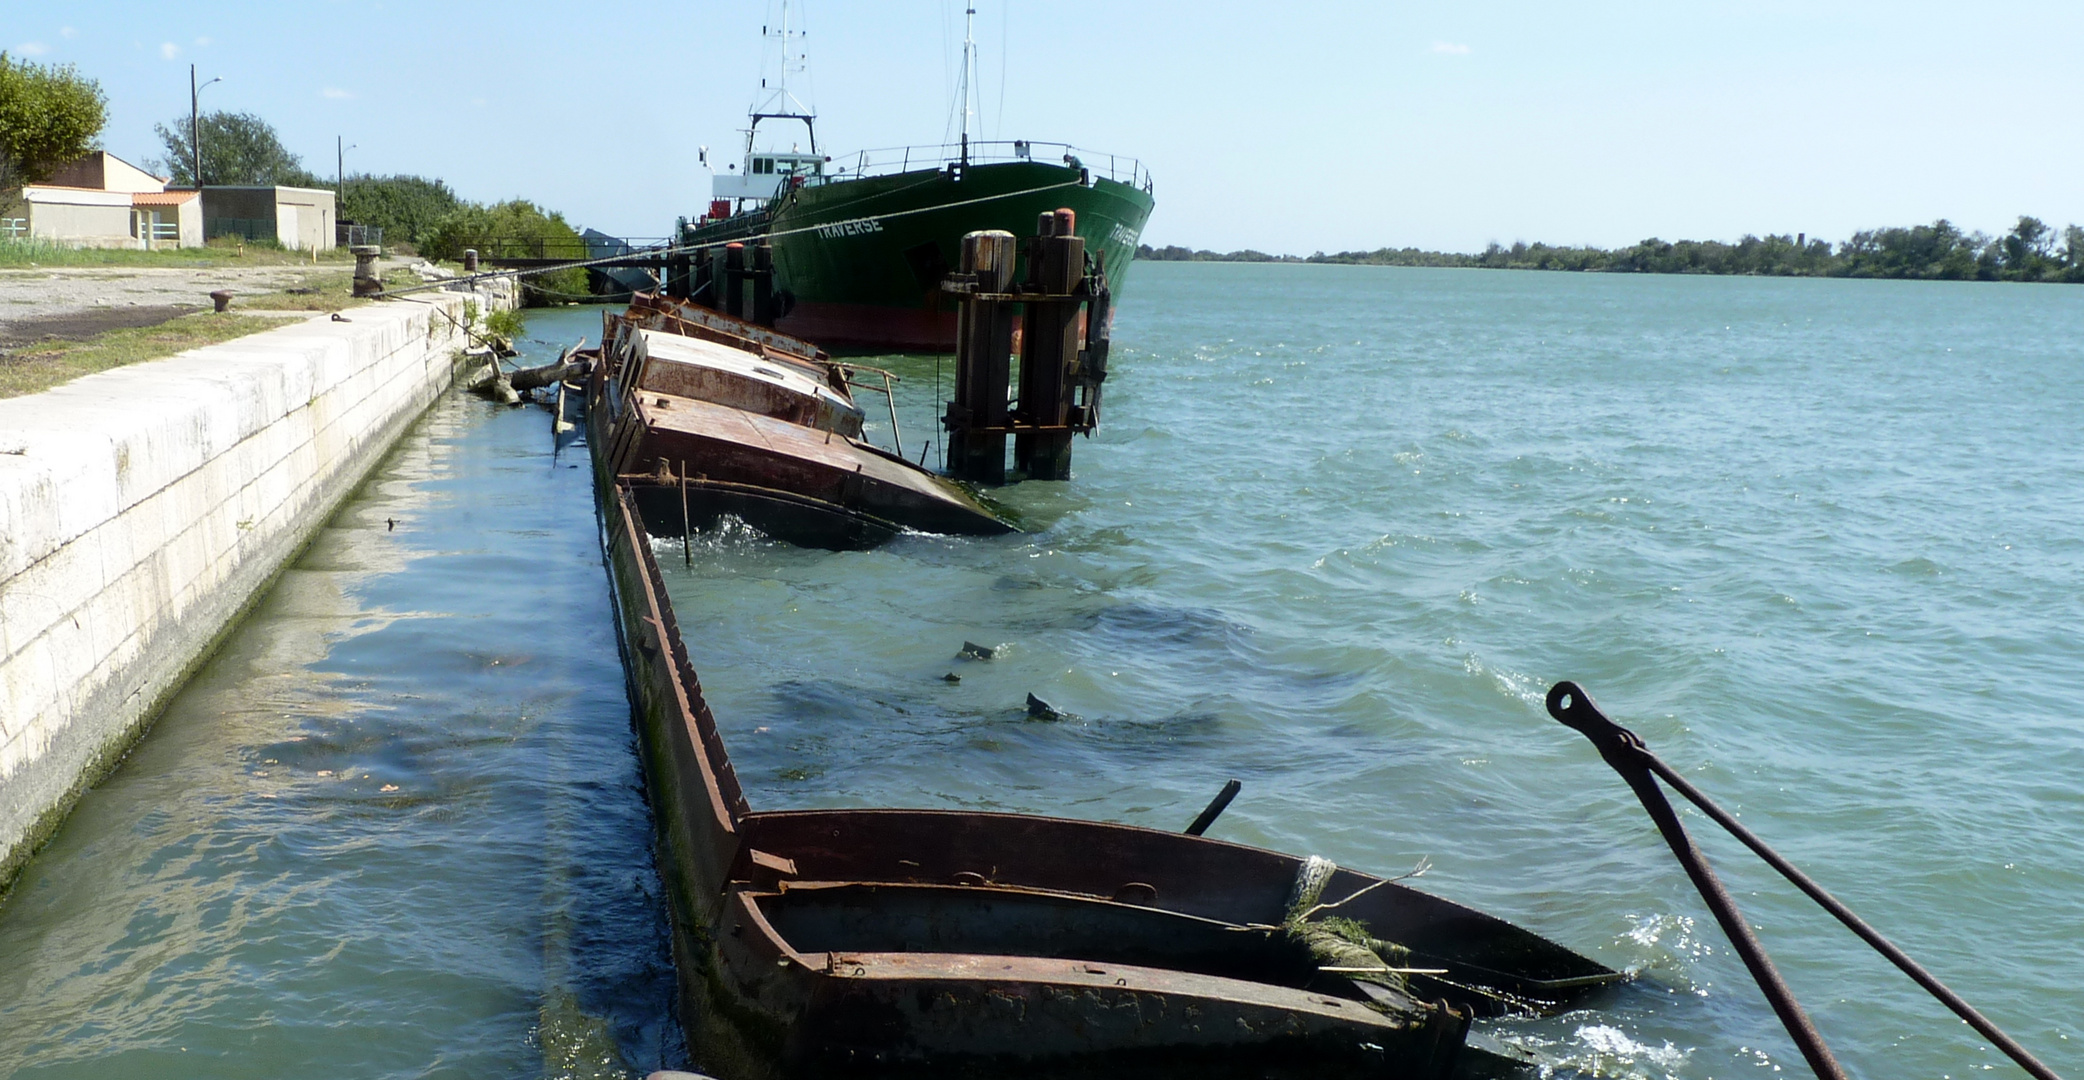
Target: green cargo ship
x,y
859,259
861,243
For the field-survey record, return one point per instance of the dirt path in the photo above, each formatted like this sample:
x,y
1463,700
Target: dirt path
x,y
74,303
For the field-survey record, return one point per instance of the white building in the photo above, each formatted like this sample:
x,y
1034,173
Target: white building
x,y
103,201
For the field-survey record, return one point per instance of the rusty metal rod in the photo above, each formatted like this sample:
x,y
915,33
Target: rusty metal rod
x,y
1625,752
1857,925
687,531
1215,808
896,438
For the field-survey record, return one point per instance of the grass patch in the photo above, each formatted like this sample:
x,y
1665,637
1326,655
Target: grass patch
x,y
321,291
39,368
35,368
219,252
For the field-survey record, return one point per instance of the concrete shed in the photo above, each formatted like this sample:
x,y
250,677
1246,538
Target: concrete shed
x,y
300,219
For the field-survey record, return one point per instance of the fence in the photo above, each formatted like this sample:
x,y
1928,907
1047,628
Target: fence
x,y
13,228
348,234
573,249
255,229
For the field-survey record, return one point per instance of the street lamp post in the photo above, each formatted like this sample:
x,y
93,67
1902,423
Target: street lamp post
x,y
195,125
339,166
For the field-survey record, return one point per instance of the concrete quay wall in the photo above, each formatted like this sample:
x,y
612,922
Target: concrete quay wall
x,y
144,509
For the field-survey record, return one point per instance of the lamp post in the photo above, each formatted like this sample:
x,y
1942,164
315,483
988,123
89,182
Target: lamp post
x,y
195,125
339,166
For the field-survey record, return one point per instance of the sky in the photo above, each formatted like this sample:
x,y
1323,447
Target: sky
x,y
1289,128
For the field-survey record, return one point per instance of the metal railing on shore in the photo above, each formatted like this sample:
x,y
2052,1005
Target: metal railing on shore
x,y
576,249
349,234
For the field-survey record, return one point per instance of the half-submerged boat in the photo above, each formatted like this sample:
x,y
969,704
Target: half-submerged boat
x,y
705,415
930,942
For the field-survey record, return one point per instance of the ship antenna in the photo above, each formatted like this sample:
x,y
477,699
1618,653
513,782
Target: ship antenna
x,y
780,104
969,65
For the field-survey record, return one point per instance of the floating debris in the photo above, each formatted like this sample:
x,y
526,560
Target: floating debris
x,y
951,677
973,651
1042,710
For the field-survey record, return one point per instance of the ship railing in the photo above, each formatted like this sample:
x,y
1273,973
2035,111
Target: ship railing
x,y
897,159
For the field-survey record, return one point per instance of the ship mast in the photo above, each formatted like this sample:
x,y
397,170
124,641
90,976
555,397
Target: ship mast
x,y
780,104
969,66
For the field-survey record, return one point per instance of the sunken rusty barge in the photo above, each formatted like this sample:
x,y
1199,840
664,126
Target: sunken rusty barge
x,y
955,943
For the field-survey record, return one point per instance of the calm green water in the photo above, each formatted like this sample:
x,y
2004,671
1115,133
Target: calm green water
x,y
395,829
1818,541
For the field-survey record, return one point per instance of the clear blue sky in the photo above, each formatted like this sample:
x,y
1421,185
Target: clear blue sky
x,y
1290,128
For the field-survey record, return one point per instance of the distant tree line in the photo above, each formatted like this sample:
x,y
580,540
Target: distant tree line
x,y
2031,251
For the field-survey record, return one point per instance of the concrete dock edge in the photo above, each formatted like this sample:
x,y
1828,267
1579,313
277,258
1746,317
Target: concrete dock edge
x,y
144,510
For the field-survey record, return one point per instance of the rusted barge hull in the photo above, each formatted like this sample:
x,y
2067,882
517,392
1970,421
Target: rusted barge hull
x,y
956,943
950,943
705,416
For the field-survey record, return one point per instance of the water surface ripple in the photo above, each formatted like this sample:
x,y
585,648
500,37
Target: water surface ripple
x,y
395,828
1819,542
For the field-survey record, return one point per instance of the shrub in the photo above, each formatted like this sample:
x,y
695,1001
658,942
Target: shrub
x,y
515,226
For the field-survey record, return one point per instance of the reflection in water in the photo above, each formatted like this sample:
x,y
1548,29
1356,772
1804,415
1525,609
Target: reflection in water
x,y
394,828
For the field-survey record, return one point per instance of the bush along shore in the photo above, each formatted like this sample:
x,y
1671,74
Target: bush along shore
x,y
2031,251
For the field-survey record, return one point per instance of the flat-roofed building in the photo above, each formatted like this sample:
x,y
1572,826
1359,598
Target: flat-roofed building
x,y
300,219
102,201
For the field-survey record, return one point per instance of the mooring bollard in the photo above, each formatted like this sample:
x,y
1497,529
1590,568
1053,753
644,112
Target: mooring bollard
x,y
366,281
763,283
223,299
976,418
734,281
470,260
1049,348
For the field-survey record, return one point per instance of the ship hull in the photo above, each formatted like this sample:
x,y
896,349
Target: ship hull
x,y
858,263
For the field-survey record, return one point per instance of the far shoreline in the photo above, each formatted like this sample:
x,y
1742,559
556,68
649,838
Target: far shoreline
x,y
2031,252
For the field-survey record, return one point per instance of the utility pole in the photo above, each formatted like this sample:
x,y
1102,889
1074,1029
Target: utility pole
x,y
195,129
195,125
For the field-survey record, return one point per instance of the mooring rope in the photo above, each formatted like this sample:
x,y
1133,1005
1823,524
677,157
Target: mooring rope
x,y
684,249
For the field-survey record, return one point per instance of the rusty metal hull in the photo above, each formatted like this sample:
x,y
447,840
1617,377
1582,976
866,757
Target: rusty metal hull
x,y
711,442
733,419
947,943
953,943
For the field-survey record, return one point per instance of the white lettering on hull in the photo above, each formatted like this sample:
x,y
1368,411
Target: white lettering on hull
x,y
856,227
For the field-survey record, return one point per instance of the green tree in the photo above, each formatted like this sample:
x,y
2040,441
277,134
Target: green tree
x,y
238,148
517,227
406,207
49,115
2028,246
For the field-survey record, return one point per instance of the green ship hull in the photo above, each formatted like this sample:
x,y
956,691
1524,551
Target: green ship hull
x,y
859,262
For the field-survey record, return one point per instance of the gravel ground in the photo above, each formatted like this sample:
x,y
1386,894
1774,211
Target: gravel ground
x,y
73,303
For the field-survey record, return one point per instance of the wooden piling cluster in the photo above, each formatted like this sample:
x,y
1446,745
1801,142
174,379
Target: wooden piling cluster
x,y
1062,310
729,280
